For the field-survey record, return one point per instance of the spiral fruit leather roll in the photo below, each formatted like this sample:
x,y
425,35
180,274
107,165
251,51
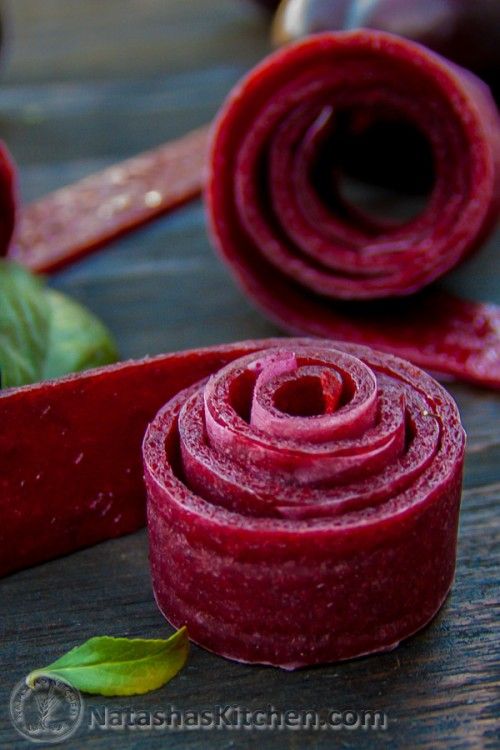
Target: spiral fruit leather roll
x,y
298,247
303,502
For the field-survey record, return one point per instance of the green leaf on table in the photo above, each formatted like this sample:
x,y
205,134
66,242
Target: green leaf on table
x,y
77,339
119,666
24,325
43,333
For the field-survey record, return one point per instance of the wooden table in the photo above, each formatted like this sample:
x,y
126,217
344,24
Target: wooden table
x,y
86,84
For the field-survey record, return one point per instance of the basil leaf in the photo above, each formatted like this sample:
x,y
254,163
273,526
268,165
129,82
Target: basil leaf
x,y
43,333
24,325
119,666
77,339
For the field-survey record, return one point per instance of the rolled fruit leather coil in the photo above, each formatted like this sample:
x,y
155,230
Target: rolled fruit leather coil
x,y
317,264
303,503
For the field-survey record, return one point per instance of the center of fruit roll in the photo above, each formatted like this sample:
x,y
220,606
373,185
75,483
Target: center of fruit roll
x,y
300,428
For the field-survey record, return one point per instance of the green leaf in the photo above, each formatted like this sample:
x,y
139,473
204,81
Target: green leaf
x,y
119,666
24,325
43,333
77,339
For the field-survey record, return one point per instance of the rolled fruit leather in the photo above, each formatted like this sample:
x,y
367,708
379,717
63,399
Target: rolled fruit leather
x,y
315,262
303,503
468,33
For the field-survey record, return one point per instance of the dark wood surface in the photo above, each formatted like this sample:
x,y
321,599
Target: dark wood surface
x,y
86,83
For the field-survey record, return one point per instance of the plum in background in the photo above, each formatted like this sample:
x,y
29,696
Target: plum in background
x,y
269,4
465,31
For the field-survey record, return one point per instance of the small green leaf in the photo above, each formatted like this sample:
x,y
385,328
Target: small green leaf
x,y
24,325
119,666
77,339
43,333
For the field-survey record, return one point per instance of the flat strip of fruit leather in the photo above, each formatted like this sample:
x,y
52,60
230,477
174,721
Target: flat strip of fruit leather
x,y
76,219
453,338
70,452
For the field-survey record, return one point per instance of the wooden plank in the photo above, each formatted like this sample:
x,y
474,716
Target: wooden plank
x,y
73,40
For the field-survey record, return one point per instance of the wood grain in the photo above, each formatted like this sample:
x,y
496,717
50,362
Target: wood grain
x,y
86,84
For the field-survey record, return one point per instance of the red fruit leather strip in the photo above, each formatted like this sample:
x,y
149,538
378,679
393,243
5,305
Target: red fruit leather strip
x,y
70,453
297,256
74,220
303,503
451,337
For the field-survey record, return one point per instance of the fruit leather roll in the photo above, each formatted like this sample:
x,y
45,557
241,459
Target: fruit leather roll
x,y
310,258
303,502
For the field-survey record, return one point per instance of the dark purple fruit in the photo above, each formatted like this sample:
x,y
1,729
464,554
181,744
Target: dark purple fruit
x,y
465,31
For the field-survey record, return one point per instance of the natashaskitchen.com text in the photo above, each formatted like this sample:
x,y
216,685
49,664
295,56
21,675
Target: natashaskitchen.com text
x,y
234,717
